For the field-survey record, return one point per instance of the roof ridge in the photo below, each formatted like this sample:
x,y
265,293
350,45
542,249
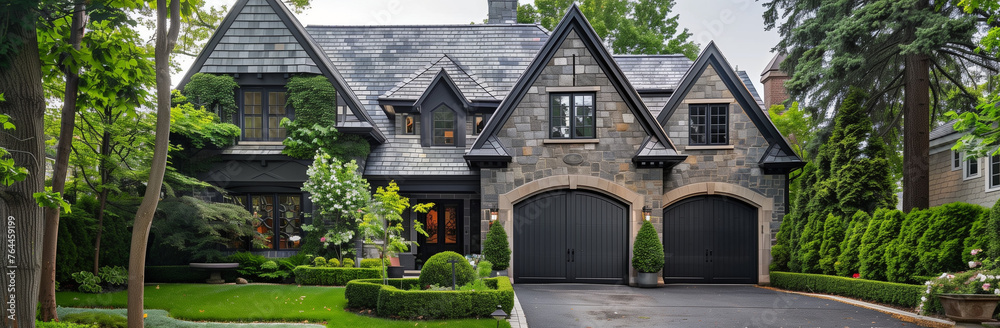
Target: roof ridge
x,y
431,25
475,78
413,76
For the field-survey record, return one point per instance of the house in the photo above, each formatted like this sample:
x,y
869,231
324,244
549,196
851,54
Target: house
x,y
956,178
568,146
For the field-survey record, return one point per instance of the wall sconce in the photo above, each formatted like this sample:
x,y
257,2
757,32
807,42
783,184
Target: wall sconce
x,y
646,212
494,214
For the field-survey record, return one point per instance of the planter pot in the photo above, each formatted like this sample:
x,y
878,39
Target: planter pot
x,y
497,273
395,271
969,307
647,279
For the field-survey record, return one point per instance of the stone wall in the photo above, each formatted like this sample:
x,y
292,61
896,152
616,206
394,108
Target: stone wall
x,y
734,164
949,185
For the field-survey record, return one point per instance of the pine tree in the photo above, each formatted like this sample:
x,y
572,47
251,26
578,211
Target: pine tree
x,y
833,236
882,229
847,263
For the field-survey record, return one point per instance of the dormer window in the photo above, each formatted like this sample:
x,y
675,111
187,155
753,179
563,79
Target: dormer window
x,y
409,124
262,111
444,126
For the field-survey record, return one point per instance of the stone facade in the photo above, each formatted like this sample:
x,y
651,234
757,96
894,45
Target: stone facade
x,y
735,163
950,185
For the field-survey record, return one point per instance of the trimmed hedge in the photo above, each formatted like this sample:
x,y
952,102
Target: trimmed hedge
x,y
397,300
869,290
437,270
309,275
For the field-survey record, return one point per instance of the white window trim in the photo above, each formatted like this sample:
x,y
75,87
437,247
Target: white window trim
x,y
989,175
965,169
952,161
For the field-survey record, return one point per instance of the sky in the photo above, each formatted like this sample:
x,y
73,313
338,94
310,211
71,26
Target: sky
x,y
736,26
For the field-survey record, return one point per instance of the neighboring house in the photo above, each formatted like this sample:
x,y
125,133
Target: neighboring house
x,y
568,145
955,178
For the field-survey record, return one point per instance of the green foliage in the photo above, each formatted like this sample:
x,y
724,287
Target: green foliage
x,y
496,248
114,275
9,173
199,228
313,129
902,257
348,263
833,235
437,270
76,229
88,282
875,291
181,274
338,192
101,320
882,229
796,124
373,263
57,324
647,250
383,221
200,128
250,264
847,263
51,199
627,27
333,263
810,244
940,247
978,238
329,276
319,261
993,232
270,271
214,92
397,299
484,269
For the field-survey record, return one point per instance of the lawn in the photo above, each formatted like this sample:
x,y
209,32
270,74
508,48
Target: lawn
x,y
248,303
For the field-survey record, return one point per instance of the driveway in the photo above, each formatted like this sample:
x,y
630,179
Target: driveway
x,y
578,305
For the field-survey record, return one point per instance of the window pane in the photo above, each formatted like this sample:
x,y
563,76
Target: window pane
x,y
263,210
994,171
450,225
290,220
956,160
444,126
275,112
408,125
719,127
253,118
697,124
431,227
973,167
560,114
479,122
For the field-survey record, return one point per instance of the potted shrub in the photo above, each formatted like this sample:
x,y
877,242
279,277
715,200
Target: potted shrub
x,y
969,296
497,250
647,256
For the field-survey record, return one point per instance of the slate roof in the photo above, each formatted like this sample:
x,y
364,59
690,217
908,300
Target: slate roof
x,y
653,72
774,64
753,91
471,86
259,42
943,130
374,59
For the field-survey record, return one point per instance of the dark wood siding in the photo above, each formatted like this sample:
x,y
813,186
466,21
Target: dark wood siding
x,y
710,239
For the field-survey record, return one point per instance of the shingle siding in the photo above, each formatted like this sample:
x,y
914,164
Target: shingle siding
x,y
258,42
951,185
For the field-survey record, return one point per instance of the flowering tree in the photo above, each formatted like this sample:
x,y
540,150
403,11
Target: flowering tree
x,y
338,192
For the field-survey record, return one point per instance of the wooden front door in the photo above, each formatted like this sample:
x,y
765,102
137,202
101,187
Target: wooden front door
x,y
443,224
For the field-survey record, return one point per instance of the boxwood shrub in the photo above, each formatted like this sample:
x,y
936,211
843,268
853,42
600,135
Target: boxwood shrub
x,y
869,290
397,300
437,270
308,275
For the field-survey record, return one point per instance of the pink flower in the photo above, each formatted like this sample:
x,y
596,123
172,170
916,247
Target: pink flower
x,y
973,264
322,239
976,251
856,275
986,286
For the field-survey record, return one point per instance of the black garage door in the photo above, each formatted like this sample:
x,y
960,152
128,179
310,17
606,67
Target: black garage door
x,y
570,236
710,239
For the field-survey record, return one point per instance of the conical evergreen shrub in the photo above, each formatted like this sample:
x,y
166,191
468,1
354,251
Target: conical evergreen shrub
x,y
496,249
647,251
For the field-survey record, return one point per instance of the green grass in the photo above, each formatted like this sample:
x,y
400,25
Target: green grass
x,y
249,303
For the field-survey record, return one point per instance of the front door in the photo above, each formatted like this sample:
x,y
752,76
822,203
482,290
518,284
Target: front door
x,y
443,224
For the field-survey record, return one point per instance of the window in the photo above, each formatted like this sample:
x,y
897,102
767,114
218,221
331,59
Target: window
x,y
709,124
444,127
262,114
572,116
279,218
971,168
956,160
478,121
409,124
993,180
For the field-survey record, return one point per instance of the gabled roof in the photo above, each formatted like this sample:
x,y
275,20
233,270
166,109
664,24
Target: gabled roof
x,y
573,21
653,72
471,86
262,36
780,147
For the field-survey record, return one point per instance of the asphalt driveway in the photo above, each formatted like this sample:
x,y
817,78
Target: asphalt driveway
x,y
579,305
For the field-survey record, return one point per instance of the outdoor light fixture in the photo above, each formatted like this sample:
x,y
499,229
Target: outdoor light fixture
x,y
646,212
494,214
499,314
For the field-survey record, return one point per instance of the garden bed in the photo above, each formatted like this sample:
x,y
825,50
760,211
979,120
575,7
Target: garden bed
x,y
398,299
327,276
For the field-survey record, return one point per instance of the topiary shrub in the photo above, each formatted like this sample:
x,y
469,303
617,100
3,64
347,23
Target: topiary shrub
x,y
869,290
496,249
647,250
333,263
307,275
101,320
348,263
402,298
847,263
319,261
373,263
437,270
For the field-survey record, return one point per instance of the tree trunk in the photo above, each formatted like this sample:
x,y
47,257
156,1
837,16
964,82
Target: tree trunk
x,y
47,294
104,171
102,203
165,41
916,133
21,84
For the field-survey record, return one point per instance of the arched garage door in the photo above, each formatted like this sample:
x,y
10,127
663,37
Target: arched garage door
x,y
710,239
571,236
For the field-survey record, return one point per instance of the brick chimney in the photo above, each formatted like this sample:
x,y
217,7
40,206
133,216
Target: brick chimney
x,y
774,82
502,12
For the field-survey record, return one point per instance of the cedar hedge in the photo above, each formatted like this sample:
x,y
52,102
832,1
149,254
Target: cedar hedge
x,y
397,300
869,290
309,275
